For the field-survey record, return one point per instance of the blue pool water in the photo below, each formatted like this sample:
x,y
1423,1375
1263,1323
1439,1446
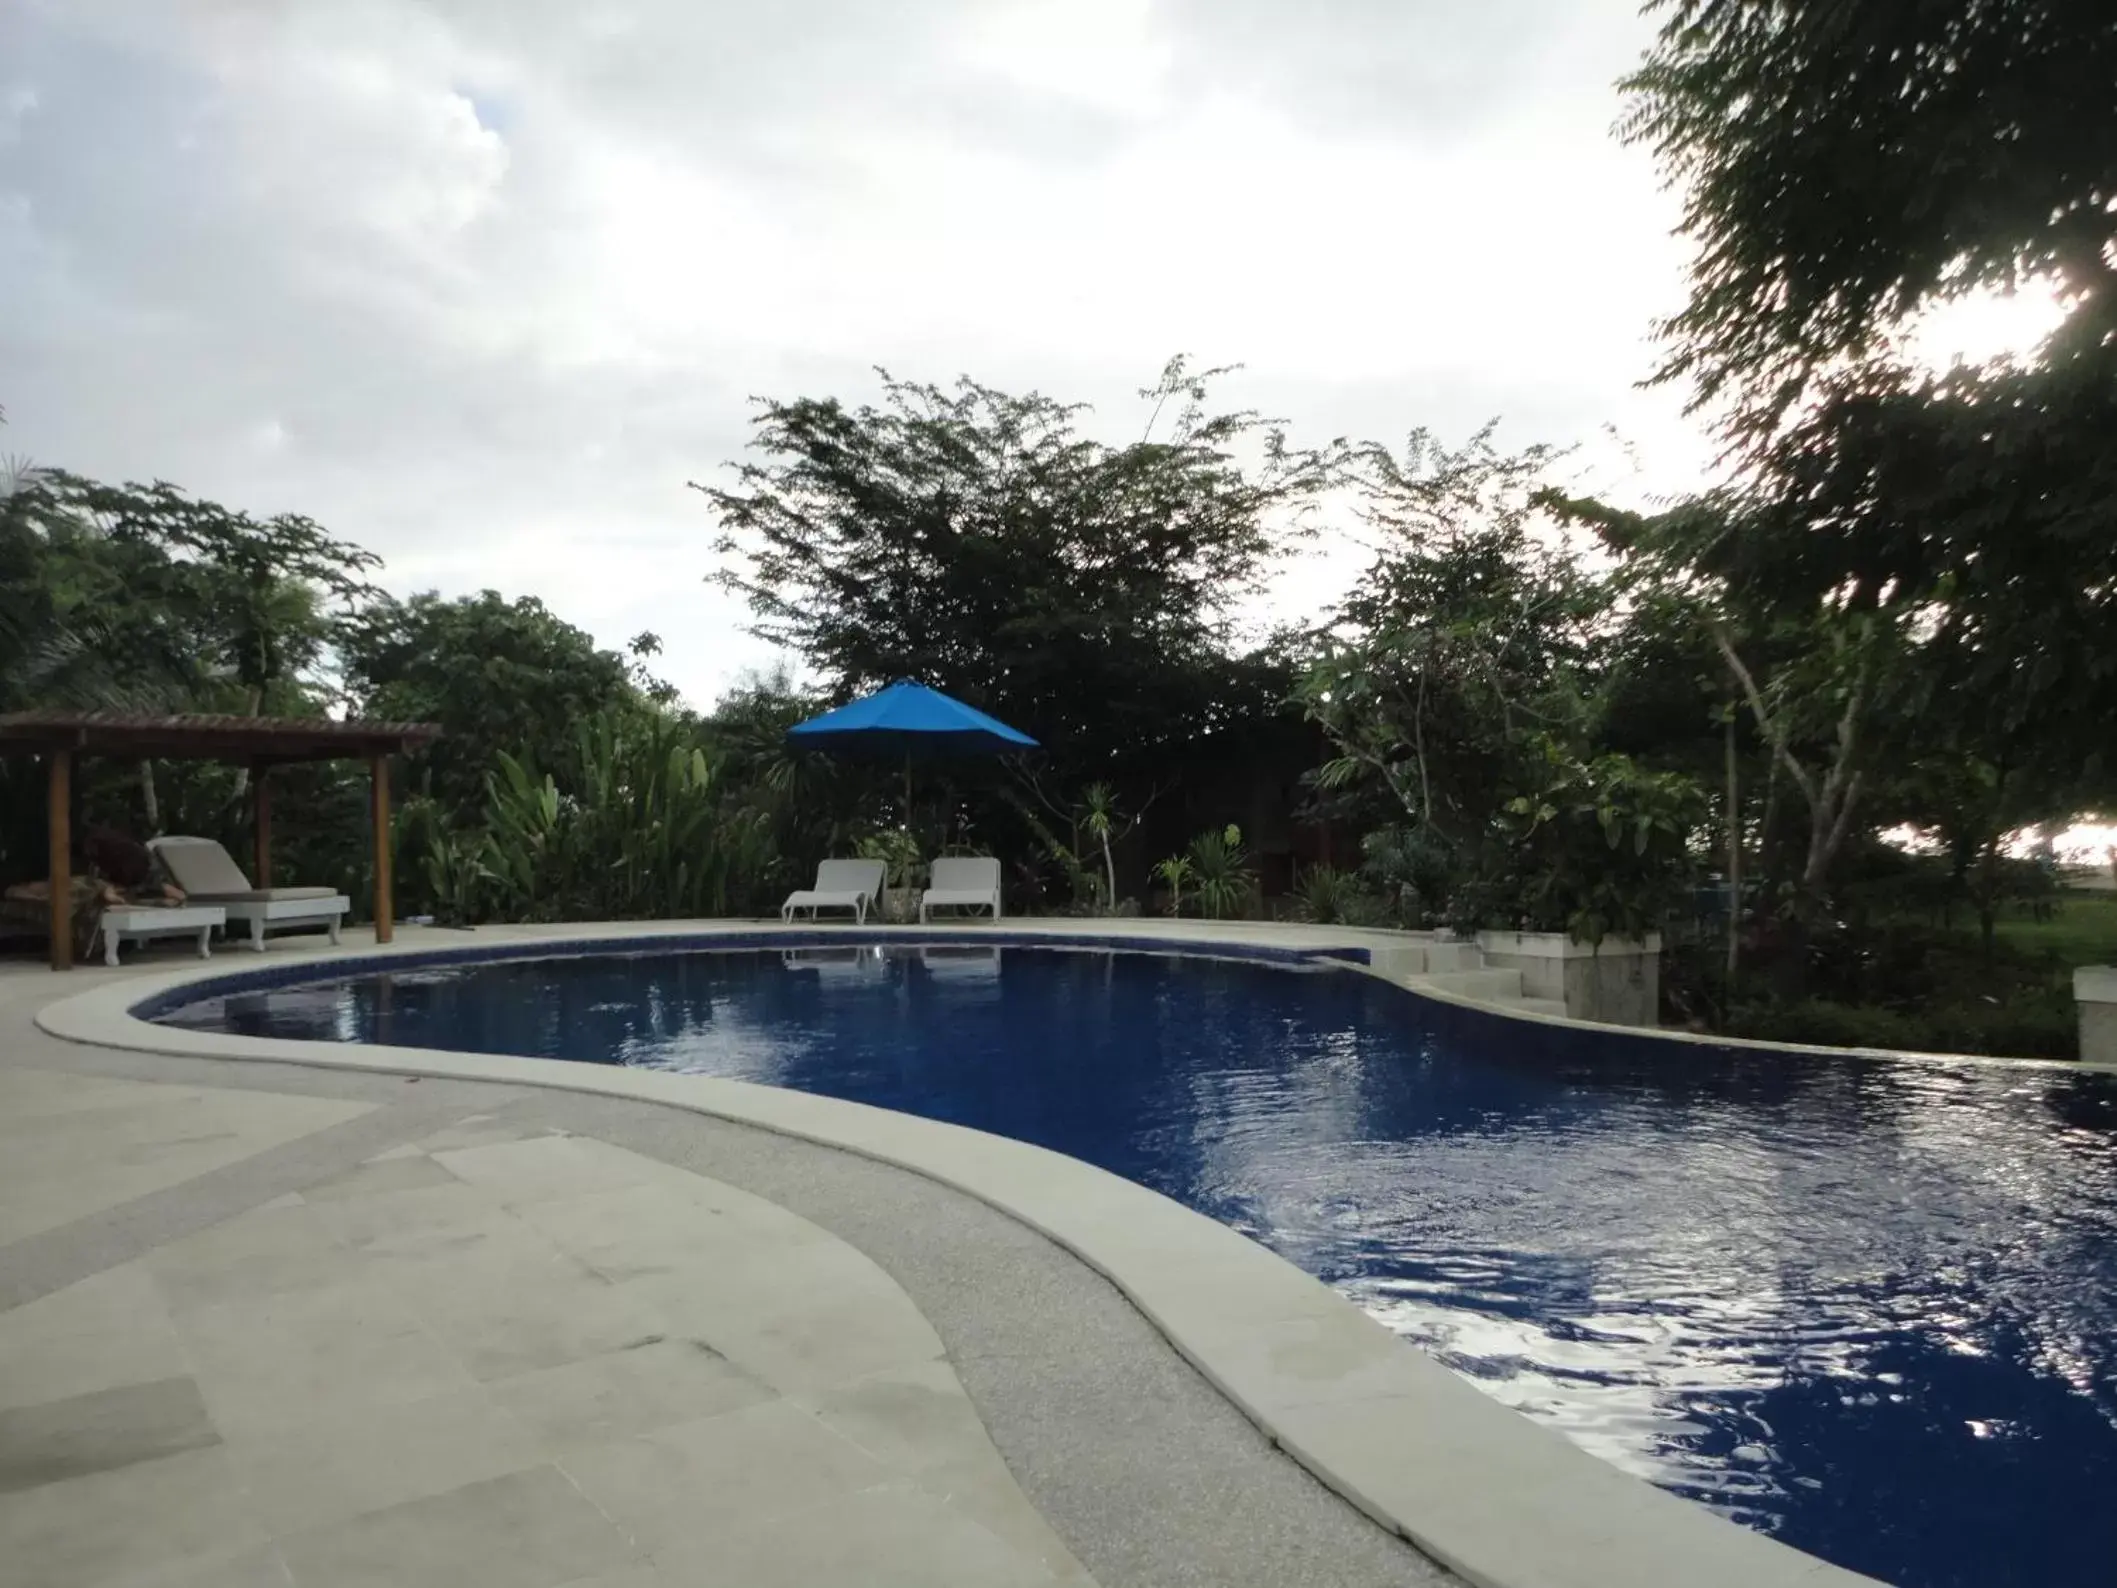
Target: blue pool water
x,y
1869,1308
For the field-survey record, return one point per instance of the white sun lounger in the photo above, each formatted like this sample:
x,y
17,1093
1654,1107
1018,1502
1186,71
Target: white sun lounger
x,y
968,882
208,875
854,885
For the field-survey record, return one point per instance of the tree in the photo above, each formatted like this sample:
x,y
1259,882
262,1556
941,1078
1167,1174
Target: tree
x,y
1464,675
811,803
976,541
1845,166
143,598
494,674
258,595
1823,684
1467,635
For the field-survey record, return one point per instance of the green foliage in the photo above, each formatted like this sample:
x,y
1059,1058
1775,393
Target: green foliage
x,y
1175,874
898,850
1100,820
1222,883
1331,897
978,542
496,675
2044,1026
1846,168
141,598
1079,880
255,594
1411,870
1468,636
813,805
1842,166
1465,675
1601,847
641,830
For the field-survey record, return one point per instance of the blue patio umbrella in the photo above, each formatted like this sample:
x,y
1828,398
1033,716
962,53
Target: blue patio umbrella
x,y
910,720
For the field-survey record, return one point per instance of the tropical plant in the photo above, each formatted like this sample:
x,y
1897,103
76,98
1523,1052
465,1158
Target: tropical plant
x,y
1084,887
642,831
1846,172
904,867
1330,897
1224,885
1410,871
1601,848
1099,820
1176,875
452,867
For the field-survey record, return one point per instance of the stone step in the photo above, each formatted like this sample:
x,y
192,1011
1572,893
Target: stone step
x,y
1398,961
1442,958
1482,986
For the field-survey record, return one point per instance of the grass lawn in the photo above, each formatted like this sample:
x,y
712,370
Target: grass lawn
x,y
1920,986
2082,930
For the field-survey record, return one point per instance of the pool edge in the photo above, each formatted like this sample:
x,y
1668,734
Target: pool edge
x,y
1500,1500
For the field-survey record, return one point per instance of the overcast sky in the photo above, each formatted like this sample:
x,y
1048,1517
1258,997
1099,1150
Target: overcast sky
x,y
481,283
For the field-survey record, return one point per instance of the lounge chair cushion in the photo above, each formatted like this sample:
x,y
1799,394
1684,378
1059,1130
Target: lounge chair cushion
x,y
200,866
207,873
263,895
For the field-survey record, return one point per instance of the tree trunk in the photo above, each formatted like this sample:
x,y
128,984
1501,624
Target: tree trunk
x,y
1830,802
150,802
1734,859
1987,896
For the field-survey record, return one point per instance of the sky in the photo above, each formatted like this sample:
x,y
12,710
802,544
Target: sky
x,y
481,284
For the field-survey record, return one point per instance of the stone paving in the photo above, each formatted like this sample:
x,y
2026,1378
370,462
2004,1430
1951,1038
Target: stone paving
x,y
476,1357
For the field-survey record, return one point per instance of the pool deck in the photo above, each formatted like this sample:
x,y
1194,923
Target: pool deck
x,y
329,1315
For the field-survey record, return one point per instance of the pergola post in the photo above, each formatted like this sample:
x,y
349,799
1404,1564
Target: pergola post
x,y
59,815
261,825
385,909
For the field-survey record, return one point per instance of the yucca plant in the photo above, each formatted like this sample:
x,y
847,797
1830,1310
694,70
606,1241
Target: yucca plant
x,y
1174,874
1331,897
1225,885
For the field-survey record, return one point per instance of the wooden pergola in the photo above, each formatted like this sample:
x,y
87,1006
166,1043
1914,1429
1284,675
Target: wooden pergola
x,y
260,743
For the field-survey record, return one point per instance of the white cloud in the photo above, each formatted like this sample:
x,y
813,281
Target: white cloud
x,y
482,283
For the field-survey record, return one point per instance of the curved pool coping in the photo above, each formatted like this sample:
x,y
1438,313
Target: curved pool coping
x,y
1502,1501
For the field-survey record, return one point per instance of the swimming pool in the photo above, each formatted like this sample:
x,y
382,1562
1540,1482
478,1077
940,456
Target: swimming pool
x,y
1865,1307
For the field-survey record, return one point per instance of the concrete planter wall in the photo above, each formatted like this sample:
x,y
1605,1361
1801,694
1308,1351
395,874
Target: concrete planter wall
x,y
2095,995
1616,981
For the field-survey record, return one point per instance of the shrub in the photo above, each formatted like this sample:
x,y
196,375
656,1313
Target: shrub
x,y
642,830
1328,896
2034,1029
1224,884
1175,874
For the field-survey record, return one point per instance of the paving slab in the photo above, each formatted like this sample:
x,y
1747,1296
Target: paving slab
x,y
536,1358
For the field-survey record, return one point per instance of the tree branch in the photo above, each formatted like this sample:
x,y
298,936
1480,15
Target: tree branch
x,y
1770,728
